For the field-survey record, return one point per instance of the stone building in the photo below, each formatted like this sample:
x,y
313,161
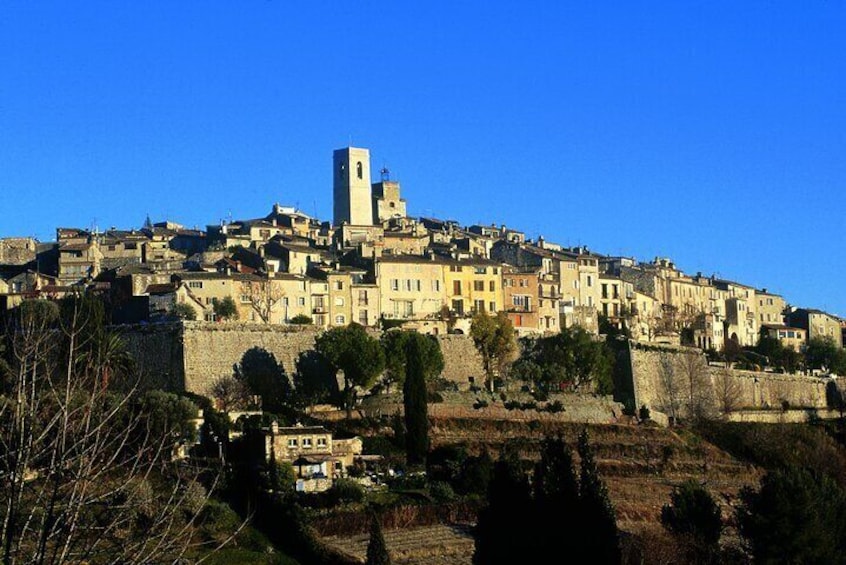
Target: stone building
x,y
817,324
387,203
352,199
316,456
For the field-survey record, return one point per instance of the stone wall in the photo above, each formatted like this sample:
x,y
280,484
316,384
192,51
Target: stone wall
x,y
461,361
192,356
158,354
651,369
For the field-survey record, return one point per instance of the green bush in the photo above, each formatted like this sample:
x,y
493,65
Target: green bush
x,y
345,490
442,491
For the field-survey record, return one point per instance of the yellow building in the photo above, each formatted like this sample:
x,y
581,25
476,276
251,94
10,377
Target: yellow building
x,y
410,287
473,285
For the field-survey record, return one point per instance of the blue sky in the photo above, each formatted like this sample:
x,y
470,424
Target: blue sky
x,y
710,132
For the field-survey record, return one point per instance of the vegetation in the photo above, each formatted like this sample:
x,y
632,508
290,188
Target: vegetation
x,y
694,518
558,513
418,351
496,340
264,376
823,353
302,320
377,551
796,517
225,309
396,343
86,459
183,311
358,355
572,358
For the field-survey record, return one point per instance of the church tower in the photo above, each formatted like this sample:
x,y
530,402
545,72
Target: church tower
x,y
353,202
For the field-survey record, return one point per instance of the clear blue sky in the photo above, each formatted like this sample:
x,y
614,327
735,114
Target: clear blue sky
x,y
710,132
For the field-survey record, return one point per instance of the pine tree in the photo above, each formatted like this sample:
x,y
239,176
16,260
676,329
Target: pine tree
x,y
377,551
600,542
414,402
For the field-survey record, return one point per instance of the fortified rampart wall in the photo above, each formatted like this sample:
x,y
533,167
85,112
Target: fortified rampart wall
x,y
192,356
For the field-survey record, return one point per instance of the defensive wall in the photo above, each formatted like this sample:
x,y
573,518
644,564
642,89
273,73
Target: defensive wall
x,y
656,376
192,356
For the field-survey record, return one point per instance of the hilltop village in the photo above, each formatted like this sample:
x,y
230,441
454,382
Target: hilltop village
x,y
376,266
268,355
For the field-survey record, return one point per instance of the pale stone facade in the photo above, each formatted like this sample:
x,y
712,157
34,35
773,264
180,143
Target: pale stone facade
x,y
353,202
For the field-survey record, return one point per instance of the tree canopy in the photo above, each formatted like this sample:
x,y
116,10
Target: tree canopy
x,y
496,340
351,350
571,358
796,517
396,346
264,376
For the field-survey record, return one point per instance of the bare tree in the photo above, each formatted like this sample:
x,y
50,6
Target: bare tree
x,y
78,460
728,392
694,373
263,295
230,394
670,393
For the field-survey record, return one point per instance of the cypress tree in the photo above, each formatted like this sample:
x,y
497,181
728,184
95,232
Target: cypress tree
x,y
556,516
504,531
414,402
600,537
377,551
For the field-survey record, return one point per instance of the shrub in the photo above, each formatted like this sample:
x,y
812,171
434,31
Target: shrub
x,y
442,491
480,403
345,490
555,407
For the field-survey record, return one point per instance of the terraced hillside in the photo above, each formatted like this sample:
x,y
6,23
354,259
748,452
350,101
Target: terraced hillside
x,y
640,464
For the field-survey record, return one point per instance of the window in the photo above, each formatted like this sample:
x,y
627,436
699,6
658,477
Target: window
x,y
479,286
363,319
479,305
340,320
480,270
456,287
604,290
521,301
590,281
339,301
301,301
394,284
436,285
492,286
321,442
292,442
339,285
359,170
419,285
492,306
195,284
306,442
